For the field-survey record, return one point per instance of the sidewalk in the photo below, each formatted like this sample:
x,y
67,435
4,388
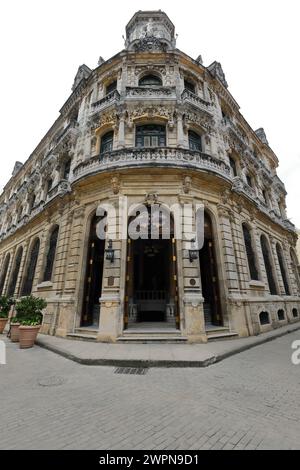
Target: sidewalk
x,y
156,355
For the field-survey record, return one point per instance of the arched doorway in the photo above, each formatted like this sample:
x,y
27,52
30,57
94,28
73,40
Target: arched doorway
x,y
151,280
209,277
93,277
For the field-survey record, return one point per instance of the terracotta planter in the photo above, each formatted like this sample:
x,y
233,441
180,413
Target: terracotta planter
x,y
14,332
3,322
27,335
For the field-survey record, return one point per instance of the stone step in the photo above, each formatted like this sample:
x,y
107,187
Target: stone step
x,y
86,331
153,331
151,338
82,336
220,336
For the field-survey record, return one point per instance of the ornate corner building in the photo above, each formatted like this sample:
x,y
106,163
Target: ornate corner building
x,y
154,125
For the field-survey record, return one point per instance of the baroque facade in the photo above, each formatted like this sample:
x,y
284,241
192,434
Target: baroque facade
x,y
155,126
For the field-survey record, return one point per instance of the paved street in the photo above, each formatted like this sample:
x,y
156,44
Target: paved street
x,y
248,401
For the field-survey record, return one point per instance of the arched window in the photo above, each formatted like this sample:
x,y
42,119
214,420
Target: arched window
x,y
281,315
249,180
19,214
32,202
268,264
111,87
150,80
195,142
14,277
264,318
30,271
188,85
233,166
294,261
107,142
49,185
51,255
282,269
264,193
4,273
150,135
295,312
67,168
250,253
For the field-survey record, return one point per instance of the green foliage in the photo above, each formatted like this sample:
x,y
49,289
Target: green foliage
x,y
29,310
14,320
5,304
34,320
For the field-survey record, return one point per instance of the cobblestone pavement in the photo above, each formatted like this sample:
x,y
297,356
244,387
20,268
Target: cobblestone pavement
x,y
248,401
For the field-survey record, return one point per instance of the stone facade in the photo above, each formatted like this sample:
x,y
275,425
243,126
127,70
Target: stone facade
x,y
232,172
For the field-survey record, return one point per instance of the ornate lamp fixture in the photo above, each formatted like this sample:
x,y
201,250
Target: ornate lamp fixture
x,y
110,252
193,252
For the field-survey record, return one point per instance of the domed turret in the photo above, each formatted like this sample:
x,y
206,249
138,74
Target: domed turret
x,y
150,31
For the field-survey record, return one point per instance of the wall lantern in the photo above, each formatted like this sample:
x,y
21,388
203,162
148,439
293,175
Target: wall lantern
x,y
110,252
193,252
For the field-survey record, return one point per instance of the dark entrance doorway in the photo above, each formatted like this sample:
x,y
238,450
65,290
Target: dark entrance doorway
x,y
93,278
151,288
151,281
209,277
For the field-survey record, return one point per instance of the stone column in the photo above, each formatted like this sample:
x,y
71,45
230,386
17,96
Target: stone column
x,y
235,274
111,314
278,275
66,276
180,133
10,267
22,268
189,286
121,133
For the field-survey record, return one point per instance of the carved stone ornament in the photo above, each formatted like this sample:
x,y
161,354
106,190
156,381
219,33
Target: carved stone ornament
x,y
217,72
64,187
149,68
115,184
151,198
226,195
187,183
78,213
150,44
262,135
223,211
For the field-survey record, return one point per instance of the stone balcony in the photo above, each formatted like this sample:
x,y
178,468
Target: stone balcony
x,y
229,126
151,157
59,189
109,99
158,92
68,134
189,97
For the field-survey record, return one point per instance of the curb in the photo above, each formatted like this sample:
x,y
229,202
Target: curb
x,y
145,363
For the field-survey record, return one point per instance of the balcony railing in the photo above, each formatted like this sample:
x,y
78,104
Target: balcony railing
x,y
109,99
161,92
70,129
151,157
228,124
189,96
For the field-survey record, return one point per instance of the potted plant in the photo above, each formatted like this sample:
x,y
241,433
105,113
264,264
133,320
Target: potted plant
x,y
14,329
29,314
5,304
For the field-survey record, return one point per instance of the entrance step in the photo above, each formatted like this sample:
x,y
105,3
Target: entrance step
x,y
85,334
220,333
151,336
82,337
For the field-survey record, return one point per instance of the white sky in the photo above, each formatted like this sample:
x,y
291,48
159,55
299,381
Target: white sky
x,y
257,42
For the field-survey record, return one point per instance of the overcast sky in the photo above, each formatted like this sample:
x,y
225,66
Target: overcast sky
x,y
257,42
